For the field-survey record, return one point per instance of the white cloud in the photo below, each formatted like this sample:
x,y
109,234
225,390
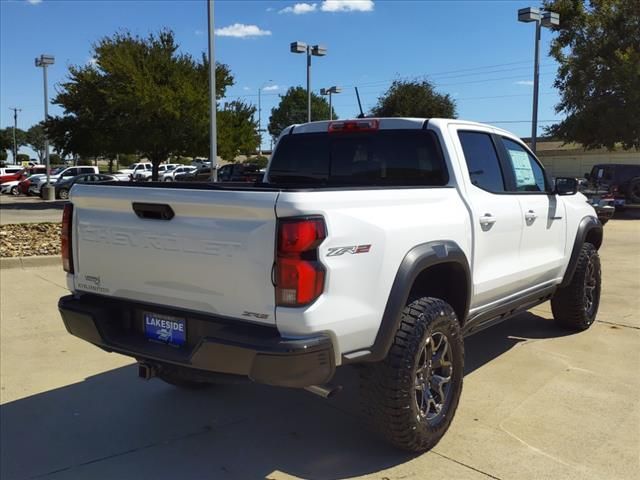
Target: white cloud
x,y
34,2
347,6
528,83
269,9
300,8
240,30
199,32
271,88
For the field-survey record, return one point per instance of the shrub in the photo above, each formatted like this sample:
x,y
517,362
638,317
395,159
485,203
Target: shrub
x,y
259,160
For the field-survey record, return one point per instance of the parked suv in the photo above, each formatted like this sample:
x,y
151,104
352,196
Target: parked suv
x,y
202,174
239,172
170,175
61,173
619,180
380,242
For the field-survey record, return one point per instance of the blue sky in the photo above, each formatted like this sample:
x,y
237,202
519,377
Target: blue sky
x,y
474,50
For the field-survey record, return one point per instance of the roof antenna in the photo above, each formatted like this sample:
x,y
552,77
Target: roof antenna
x,y
359,104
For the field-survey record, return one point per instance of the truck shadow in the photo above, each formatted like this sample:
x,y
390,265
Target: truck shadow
x,y
113,425
34,206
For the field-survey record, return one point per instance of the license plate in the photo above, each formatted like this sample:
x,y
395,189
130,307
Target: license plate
x,y
165,328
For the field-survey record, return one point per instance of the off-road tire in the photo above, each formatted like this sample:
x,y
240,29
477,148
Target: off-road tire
x,y
575,306
389,390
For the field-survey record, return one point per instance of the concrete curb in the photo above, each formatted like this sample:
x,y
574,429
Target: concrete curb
x,y
30,262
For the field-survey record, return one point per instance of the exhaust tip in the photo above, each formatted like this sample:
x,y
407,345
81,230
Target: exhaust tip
x,y
324,391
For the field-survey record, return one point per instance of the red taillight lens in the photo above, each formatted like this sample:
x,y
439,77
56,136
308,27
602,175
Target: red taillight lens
x,y
299,281
297,236
354,126
299,274
65,237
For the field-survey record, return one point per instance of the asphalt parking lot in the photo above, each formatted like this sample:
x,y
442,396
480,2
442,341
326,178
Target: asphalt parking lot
x,y
25,209
538,402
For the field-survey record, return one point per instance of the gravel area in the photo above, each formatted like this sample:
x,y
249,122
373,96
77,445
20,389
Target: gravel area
x,y
27,240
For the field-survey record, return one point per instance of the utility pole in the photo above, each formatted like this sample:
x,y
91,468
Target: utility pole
x,y
213,141
15,126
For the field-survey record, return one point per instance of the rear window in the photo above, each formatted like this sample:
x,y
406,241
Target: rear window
x,y
384,157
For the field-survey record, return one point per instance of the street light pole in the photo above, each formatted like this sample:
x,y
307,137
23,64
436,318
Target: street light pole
x,y
260,115
330,91
15,126
317,51
545,19
536,81
48,192
213,141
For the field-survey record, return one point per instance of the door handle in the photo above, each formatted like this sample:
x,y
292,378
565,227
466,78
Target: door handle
x,y
530,216
153,211
487,219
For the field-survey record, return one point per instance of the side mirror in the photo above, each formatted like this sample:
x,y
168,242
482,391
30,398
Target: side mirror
x,y
586,175
566,186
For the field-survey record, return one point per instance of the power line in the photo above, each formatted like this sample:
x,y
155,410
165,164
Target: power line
x,y
476,71
429,75
372,88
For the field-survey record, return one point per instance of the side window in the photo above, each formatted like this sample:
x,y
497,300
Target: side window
x,y
527,172
482,161
70,173
225,172
86,170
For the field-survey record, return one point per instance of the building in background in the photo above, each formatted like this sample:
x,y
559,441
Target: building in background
x,y
572,160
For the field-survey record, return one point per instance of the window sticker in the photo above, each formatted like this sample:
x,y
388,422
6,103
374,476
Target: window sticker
x,y
522,168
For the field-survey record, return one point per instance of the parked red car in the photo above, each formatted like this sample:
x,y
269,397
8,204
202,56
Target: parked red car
x,y
10,177
23,186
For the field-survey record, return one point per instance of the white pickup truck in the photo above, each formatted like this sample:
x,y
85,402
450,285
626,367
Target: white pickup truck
x,y
378,242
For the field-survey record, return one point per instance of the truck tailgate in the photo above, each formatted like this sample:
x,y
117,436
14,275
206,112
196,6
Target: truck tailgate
x,y
215,254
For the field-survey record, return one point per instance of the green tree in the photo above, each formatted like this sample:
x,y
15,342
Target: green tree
x,y
598,49
141,96
127,159
293,109
237,130
6,141
414,98
35,139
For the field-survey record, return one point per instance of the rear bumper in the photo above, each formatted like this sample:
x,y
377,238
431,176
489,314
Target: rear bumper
x,y
214,344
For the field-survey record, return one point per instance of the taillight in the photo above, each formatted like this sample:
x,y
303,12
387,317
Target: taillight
x,y
66,239
299,273
354,126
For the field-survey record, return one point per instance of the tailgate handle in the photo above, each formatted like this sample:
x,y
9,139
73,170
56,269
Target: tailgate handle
x,y
153,211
